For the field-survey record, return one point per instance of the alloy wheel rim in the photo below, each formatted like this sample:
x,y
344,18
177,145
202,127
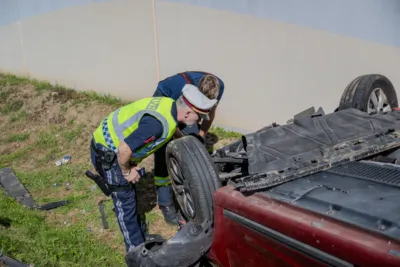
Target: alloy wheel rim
x,y
378,102
181,189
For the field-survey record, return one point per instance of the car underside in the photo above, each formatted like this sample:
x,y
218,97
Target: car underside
x,y
320,190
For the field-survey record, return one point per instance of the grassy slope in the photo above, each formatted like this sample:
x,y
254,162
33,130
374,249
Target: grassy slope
x,y
39,123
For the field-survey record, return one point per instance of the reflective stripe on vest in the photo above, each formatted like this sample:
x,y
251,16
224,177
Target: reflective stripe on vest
x,y
119,128
107,136
111,132
161,181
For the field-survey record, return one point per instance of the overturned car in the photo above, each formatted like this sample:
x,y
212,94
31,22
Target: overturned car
x,y
321,190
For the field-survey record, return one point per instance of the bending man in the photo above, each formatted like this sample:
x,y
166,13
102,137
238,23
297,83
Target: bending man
x,y
213,88
132,133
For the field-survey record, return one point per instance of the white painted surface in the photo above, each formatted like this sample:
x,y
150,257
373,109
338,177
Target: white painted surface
x,y
108,47
271,70
11,51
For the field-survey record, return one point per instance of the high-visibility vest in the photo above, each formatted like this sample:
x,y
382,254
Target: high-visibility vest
x,y
121,123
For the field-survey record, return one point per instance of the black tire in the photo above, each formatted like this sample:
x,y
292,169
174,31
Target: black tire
x,y
198,171
357,93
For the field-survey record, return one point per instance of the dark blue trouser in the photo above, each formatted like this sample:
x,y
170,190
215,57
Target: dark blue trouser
x,y
124,204
164,191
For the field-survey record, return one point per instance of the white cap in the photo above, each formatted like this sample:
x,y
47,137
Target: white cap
x,y
197,101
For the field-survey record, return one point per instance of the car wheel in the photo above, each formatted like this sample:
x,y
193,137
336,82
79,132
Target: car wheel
x,y
194,177
371,93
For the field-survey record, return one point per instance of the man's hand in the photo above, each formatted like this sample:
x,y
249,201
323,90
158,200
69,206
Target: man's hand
x,y
205,125
128,171
202,133
132,175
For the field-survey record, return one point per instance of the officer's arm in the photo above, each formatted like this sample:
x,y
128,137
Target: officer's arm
x,y
205,125
124,154
149,129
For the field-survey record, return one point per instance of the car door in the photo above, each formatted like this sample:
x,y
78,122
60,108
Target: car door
x,y
251,244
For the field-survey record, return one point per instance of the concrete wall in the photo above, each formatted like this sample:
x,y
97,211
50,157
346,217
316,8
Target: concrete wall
x,y
106,46
276,57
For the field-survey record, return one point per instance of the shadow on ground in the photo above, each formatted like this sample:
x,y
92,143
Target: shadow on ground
x,y
6,222
146,194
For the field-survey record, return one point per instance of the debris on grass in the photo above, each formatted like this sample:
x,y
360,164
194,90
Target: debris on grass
x,y
64,160
102,214
7,261
13,187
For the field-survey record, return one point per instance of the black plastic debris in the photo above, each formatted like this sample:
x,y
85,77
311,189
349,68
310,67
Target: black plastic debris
x,y
102,214
14,188
7,261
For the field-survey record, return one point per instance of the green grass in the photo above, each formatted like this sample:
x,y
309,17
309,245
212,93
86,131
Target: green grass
x,y
20,115
17,137
15,156
104,99
69,136
11,107
46,140
32,239
4,95
68,241
224,134
81,97
10,80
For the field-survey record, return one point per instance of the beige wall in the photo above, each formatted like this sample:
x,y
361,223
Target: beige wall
x,y
108,47
11,50
271,69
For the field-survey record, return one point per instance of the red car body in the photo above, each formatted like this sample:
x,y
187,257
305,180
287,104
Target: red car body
x,y
252,231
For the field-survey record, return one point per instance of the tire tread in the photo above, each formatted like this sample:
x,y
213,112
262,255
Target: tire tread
x,y
357,91
199,170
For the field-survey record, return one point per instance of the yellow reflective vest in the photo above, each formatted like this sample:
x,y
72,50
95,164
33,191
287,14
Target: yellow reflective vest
x,y
125,120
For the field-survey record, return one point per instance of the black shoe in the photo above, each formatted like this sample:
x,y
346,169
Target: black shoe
x,y
170,214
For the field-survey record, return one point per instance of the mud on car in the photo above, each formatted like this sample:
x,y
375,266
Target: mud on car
x,y
320,190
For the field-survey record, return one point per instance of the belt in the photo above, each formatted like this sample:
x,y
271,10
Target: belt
x,y
106,156
101,181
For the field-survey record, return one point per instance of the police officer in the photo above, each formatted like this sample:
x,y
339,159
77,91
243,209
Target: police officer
x,y
213,88
132,133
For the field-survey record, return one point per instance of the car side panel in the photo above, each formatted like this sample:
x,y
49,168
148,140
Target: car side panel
x,y
320,236
250,248
218,253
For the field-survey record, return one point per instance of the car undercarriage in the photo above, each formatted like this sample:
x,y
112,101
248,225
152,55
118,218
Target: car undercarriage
x,y
278,154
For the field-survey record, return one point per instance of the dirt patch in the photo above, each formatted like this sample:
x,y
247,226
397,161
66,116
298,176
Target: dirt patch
x,y
158,226
63,96
6,149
